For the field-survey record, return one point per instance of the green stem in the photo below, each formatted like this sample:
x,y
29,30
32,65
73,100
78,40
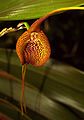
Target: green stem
x,y
26,25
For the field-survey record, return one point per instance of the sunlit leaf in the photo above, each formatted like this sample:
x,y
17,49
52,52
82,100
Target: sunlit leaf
x,y
29,9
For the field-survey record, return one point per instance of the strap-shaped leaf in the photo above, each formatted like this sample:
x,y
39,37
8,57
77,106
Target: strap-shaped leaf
x,y
64,85
30,9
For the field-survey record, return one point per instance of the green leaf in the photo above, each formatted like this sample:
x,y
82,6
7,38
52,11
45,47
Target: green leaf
x,y
63,86
34,100
30,9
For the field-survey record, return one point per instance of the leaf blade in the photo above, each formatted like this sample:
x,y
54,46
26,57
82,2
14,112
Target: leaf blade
x,y
23,9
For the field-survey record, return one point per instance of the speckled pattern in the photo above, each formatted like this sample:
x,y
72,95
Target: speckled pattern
x,y
36,49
